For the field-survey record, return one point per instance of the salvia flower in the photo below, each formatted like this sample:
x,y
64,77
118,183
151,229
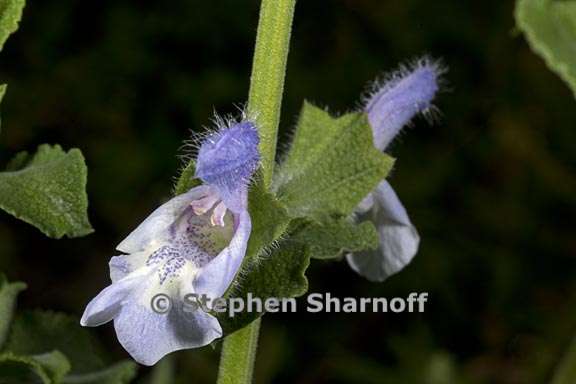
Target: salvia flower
x,y
390,107
194,243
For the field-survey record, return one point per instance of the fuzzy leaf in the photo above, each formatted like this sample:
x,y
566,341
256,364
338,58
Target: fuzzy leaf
x,y
327,240
332,164
8,293
269,221
10,15
186,180
277,275
49,367
48,191
550,28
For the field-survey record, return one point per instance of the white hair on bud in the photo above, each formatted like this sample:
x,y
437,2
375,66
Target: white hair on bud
x,y
392,101
389,79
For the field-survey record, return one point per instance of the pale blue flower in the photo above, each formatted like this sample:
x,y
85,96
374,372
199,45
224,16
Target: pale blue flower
x,y
390,107
194,243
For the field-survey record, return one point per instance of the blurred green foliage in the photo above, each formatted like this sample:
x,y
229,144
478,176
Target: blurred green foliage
x,y
489,185
550,28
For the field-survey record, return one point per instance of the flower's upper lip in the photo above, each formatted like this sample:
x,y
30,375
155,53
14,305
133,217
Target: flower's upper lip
x,y
156,228
231,153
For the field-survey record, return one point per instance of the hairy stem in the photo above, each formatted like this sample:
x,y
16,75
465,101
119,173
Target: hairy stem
x,y
268,73
264,101
238,355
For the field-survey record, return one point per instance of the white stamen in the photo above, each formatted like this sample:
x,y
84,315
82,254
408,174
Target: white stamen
x,y
203,205
218,214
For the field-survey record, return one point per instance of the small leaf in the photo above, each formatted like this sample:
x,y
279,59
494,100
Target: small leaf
x,y
550,28
277,275
49,191
328,239
8,293
332,164
10,15
186,180
49,367
269,220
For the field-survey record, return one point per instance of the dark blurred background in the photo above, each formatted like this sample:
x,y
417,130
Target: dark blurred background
x,y
489,185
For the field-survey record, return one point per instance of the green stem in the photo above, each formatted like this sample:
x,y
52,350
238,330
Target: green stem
x,y
268,73
238,355
264,102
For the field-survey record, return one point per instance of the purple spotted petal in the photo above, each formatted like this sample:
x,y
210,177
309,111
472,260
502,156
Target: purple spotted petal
x,y
227,160
398,100
121,266
399,239
216,276
156,226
